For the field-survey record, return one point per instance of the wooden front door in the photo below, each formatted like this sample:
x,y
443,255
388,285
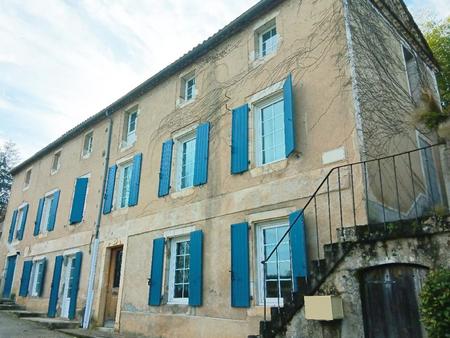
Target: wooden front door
x,y
390,301
113,284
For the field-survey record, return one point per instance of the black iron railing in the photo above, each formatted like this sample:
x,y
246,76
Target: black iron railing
x,y
370,193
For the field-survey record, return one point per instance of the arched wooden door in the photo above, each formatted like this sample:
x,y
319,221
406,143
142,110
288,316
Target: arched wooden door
x,y
390,301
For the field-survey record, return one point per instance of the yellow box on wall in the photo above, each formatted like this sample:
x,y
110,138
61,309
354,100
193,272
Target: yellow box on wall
x,y
323,307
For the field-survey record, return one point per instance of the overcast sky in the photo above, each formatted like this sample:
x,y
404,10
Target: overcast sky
x,y
62,61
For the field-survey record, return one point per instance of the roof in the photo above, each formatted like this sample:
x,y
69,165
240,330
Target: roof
x,y
187,59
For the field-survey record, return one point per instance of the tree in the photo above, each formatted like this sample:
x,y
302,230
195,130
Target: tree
x,y
437,34
9,157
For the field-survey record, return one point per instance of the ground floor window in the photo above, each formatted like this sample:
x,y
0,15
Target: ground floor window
x,y
278,272
179,271
37,278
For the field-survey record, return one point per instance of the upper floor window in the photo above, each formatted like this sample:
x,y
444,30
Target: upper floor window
x,y
129,135
412,73
186,160
125,172
56,162
179,270
87,144
46,213
21,219
269,131
188,87
266,39
27,181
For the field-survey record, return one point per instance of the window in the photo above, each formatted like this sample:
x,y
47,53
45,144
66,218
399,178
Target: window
x,y
189,89
266,39
27,178
269,129
186,161
412,74
20,216
36,278
124,184
46,213
179,271
87,145
278,271
129,135
56,162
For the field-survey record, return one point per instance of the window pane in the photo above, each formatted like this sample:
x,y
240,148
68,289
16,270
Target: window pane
x,y
187,163
272,289
181,269
272,132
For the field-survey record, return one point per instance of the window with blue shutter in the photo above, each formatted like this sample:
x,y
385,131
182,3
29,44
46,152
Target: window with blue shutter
x,y
79,199
135,180
239,140
165,168
289,130
109,191
23,222
41,277
54,289
75,283
37,223
201,154
53,210
195,268
240,266
299,250
12,226
156,274
25,280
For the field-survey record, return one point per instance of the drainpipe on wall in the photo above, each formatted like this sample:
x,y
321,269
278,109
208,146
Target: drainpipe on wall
x,y
94,252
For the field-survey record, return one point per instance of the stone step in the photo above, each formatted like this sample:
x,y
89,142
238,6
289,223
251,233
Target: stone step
x,y
8,307
6,301
54,323
25,313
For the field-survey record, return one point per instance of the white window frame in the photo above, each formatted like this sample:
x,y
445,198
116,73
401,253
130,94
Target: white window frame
x,y
34,277
129,138
257,109
172,261
260,226
28,173
186,88
56,155
121,167
86,151
18,227
48,199
179,141
260,41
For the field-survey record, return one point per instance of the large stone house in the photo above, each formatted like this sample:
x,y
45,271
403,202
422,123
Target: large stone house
x,y
154,215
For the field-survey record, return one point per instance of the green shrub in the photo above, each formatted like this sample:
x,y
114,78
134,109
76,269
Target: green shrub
x,y
435,304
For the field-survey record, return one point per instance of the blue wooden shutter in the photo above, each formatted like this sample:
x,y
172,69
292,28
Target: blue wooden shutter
x,y
109,191
25,280
53,210
79,198
299,250
12,226
195,268
42,280
135,180
289,132
201,154
24,222
54,289
75,285
156,275
239,140
240,266
37,223
165,168
9,277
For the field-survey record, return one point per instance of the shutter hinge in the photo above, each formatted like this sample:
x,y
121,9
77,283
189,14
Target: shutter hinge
x,y
149,281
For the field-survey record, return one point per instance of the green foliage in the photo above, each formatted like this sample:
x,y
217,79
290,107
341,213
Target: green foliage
x,y
8,158
437,35
435,304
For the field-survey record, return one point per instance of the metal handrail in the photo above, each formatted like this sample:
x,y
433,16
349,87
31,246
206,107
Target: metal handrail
x,y
326,181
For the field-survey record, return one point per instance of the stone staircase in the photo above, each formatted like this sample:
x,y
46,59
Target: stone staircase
x,y
9,306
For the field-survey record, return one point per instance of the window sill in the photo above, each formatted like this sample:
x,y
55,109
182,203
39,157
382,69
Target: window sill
x,y
183,192
183,103
269,168
53,172
257,60
26,188
126,146
179,302
86,156
120,211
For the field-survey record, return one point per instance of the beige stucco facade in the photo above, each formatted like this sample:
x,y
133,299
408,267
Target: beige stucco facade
x,y
313,47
